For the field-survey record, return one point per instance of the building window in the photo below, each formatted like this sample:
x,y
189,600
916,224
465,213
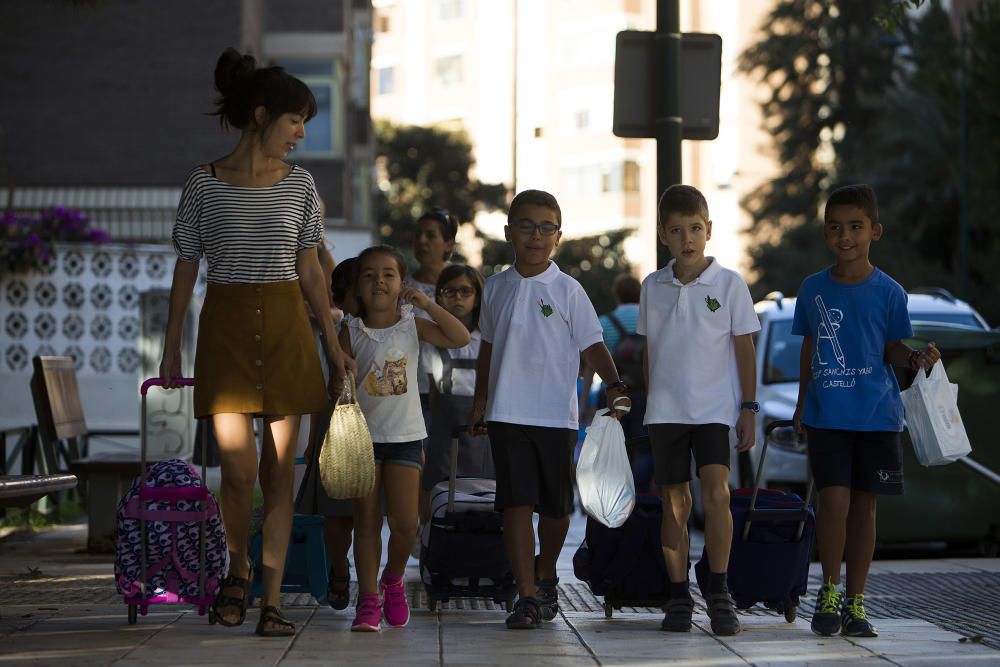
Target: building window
x,y
324,131
581,119
382,23
386,80
448,70
449,9
630,176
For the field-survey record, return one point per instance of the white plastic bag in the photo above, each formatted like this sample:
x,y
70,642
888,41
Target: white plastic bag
x,y
603,473
933,420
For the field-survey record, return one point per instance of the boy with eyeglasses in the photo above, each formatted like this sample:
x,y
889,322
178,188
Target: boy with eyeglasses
x,y
535,322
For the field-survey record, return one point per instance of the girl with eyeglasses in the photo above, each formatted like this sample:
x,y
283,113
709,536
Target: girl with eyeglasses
x,y
452,378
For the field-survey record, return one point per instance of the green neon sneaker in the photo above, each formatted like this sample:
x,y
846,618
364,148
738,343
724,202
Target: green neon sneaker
x,y
826,619
853,619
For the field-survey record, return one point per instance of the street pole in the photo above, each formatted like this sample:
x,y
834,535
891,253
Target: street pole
x,y
963,171
667,122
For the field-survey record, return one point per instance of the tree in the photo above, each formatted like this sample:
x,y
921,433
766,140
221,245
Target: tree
x,y
421,168
828,66
920,178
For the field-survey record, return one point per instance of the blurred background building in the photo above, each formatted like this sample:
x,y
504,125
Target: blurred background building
x,y
532,84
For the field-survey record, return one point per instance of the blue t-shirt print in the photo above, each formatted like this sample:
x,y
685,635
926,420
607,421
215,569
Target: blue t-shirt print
x,y
853,387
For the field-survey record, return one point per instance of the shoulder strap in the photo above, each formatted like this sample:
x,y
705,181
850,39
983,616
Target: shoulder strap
x,y
617,325
212,166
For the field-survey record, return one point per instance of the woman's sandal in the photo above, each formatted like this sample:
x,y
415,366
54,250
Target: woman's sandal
x,y
338,590
527,615
272,615
224,602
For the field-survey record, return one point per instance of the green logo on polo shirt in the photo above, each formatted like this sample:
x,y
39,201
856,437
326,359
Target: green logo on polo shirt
x,y
546,308
712,303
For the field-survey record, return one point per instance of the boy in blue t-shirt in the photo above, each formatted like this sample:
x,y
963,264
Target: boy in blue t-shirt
x,y
852,318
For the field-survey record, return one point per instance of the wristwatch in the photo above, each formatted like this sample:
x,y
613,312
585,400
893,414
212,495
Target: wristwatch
x,y
753,406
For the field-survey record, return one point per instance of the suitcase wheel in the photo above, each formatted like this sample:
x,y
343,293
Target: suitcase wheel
x,y
790,614
609,610
133,614
432,604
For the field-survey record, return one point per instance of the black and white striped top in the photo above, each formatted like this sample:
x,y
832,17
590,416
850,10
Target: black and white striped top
x,y
248,235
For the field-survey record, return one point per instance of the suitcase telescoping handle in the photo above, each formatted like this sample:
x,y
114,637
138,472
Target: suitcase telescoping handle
x,y
776,514
456,433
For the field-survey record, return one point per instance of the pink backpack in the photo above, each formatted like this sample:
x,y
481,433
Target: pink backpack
x,y
172,490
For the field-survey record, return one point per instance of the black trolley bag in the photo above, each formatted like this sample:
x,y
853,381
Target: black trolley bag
x,y
462,551
625,565
773,534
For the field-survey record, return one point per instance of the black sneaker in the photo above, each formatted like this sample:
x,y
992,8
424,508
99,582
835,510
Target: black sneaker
x,y
853,619
678,615
722,612
826,619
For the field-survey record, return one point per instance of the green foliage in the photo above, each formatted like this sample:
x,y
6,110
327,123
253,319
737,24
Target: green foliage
x,y
851,103
919,179
422,168
828,68
594,261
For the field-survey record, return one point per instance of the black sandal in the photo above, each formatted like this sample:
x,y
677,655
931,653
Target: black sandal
x,y
273,615
223,601
678,615
339,598
722,612
527,615
548,594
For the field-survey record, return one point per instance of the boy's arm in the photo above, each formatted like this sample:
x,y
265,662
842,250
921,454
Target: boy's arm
x,y
476,425
898,353
746,367
597,357
805,377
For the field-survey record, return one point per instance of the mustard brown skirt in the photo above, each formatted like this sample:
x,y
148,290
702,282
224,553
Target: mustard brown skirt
x,y
256,352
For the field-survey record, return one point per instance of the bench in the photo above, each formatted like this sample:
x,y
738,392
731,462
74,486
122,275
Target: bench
x,y
63,435
24,489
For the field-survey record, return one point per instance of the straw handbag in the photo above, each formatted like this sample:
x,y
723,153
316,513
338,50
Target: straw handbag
x,y
347,459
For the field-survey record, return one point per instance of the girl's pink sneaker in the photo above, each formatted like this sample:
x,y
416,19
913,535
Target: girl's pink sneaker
x,y
395,607
368,617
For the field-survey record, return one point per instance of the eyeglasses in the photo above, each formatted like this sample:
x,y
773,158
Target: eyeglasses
x,y
529,228
450,293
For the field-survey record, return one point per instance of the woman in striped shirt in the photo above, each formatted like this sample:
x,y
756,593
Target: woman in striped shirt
x,y
257,220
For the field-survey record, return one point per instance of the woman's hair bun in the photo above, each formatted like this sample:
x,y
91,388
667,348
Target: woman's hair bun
x,y
233,70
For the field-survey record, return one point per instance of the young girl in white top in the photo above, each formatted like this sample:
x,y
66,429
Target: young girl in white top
x,y
385,342
452,378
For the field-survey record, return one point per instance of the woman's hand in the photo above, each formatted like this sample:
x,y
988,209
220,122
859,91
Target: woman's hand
x,y
170,366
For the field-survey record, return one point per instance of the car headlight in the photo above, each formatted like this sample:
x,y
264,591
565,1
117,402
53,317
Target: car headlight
x,y
786,438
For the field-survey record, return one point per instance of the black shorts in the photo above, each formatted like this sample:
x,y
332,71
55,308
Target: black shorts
x,y
534,466
864,460
672,445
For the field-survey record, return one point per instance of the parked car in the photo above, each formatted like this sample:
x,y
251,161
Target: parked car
x,y
935,315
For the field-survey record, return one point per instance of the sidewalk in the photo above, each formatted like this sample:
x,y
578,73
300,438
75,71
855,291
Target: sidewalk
x,y
59,607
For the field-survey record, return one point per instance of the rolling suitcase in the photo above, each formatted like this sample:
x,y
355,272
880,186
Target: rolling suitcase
x,y
462,551
170,540
773,533
625,565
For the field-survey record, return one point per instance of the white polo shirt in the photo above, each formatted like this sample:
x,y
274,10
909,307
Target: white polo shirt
x,y
689,332
538,326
